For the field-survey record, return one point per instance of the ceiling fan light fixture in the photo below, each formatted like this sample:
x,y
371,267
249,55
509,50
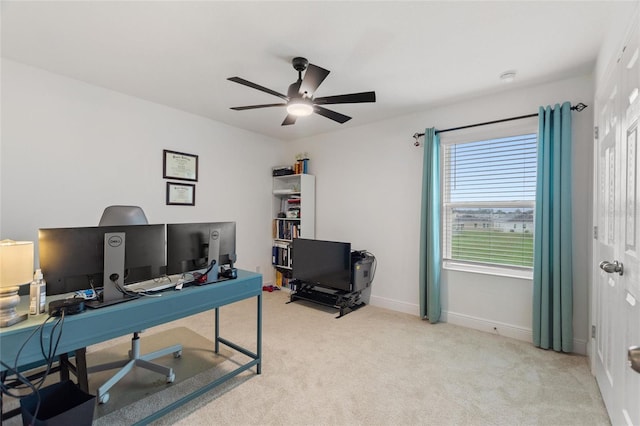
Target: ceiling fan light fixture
x,y
508,76
300,107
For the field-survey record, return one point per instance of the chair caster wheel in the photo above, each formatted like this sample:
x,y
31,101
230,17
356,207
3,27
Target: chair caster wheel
x,y
177,354
104,398
171,378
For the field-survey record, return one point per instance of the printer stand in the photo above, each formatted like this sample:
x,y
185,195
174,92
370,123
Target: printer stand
x,y
344,301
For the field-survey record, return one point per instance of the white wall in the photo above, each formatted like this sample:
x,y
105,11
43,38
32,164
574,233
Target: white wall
x,y
69,149
618,28
368,186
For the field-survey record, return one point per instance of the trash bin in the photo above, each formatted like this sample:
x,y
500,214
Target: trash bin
x,y
61,404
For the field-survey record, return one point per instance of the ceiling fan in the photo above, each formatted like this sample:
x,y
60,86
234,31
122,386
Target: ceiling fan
x,y
299,100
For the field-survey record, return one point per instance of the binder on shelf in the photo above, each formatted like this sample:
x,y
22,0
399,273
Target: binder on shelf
x,y
282,170
280,254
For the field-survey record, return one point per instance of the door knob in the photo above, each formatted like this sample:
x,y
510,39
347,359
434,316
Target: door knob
x,y
612,267
634,358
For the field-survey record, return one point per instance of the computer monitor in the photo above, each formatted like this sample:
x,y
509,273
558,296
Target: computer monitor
x,y
323,263
73,258
192,246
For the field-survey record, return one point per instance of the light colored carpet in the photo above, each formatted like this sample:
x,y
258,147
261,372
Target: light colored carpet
x,y
373,367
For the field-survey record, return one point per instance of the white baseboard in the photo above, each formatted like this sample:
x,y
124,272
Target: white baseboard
x,y
395,305
468,321
493,327
503,329
580,347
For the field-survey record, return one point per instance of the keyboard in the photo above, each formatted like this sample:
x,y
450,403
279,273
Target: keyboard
x,y
153,285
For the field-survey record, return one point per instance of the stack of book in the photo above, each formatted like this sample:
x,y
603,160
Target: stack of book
x,y
283,279
281,255
301,166
286,229
293,206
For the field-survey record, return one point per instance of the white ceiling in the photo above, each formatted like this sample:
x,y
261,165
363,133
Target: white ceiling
x,y
413,54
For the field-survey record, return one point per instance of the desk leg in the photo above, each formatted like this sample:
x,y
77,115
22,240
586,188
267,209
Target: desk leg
x,y
81,369
64,367
3,376
217,328
259,335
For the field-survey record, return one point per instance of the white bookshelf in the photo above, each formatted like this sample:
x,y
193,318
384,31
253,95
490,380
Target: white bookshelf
x,y
294,197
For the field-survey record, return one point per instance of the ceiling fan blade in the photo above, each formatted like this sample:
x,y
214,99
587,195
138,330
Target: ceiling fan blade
x,y
289,119
313,77
352,98
335,116
257,86
242,108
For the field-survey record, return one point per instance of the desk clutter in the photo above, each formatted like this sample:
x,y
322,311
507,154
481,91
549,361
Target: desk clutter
x,y
109,264
166,272
68,335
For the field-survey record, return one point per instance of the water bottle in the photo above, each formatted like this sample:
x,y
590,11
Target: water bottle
x,y
37,294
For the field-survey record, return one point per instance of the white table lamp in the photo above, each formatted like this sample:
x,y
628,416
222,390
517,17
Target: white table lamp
x,y
16,268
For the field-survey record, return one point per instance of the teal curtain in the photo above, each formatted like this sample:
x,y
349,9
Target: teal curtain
x,y
430,260
552,268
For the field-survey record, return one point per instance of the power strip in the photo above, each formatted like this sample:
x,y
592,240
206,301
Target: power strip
x,y
68,306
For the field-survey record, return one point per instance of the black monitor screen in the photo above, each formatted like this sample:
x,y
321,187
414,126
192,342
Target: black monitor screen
x,y
323,263
73,258
188,245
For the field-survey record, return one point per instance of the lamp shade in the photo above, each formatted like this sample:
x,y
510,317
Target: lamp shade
x,y
16,262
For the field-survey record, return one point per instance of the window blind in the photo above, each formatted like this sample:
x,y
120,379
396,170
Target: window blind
x,y
489,199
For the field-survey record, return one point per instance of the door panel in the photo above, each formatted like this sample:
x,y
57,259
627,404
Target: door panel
x,y
630,108
616,307
606,286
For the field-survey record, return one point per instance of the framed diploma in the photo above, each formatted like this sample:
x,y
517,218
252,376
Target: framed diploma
x,y
181,194
179,165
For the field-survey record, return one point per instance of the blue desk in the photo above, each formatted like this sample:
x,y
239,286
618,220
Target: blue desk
x,y
98,325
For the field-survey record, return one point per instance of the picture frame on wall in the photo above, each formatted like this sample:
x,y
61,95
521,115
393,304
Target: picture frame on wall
x,y
181,194
179,165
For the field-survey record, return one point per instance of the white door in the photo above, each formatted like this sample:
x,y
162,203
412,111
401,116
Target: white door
x,y
616,291
606,291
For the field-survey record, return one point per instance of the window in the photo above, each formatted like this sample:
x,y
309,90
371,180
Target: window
x,y
488,196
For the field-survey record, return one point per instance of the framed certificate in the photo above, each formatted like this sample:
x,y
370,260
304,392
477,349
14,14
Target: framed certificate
x,y
179,165
181,194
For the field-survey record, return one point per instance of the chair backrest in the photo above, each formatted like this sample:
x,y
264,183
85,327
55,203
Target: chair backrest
x,y
123,215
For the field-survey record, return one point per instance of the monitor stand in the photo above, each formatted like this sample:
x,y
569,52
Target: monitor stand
x,y
214,254
113,275
345,301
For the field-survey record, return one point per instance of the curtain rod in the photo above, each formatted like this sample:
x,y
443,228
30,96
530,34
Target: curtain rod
x,y
578,108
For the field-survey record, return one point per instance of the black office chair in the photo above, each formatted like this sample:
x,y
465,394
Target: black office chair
x,y
131,215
